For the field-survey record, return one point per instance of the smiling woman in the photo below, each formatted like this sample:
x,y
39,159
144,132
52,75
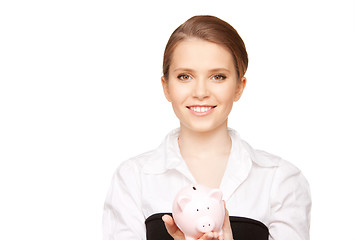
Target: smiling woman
x,y
265,196
202,81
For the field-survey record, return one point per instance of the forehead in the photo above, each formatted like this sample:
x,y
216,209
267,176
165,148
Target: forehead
x,y
201,55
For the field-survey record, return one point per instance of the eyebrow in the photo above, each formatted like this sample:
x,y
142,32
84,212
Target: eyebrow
x,y
192,70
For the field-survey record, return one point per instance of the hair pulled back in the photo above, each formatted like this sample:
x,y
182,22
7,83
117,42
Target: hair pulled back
x,y
212,29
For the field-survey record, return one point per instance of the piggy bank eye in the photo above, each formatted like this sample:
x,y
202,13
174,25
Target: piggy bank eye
x,y
197,210
208,208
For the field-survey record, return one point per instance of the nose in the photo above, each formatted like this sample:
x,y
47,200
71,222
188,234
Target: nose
x,y
200,90
205,224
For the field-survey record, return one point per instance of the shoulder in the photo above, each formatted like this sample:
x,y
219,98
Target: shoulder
x,y
165,156
127,176
266,159
284,172
138,163
287,181
286,176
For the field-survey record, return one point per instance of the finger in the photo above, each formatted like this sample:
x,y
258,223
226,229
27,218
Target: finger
x,y
207,236
215,235
226,224
170,225
221,236
227,230
210,236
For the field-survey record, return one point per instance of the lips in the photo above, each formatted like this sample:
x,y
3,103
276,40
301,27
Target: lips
x,y
201,109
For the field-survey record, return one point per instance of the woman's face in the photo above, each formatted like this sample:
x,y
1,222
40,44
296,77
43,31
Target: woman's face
x,y
202,84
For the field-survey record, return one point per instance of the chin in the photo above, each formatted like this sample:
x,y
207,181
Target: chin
x,y
204,128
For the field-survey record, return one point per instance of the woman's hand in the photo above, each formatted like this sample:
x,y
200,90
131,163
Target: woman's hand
x,y
227,230
172,229
176,233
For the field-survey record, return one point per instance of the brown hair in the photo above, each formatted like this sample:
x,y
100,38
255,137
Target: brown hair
x,y
211,29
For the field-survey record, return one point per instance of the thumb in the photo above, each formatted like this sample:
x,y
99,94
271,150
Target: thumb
x,y
227,230
170,226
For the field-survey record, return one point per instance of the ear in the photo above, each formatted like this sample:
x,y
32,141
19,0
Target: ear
x,y
183,201
240,89
216,194
164,83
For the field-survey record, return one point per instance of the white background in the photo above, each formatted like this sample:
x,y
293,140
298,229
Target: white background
x,y
80,92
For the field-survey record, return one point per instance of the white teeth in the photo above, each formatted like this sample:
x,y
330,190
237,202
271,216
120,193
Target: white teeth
x,y
200,109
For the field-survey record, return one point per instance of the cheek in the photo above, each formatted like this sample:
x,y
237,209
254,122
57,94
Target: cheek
x,y
226,95
178,94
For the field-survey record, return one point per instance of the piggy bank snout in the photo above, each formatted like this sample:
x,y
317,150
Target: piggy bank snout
x,y
205,224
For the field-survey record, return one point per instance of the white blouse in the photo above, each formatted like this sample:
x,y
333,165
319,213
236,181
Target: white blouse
x,y
255,185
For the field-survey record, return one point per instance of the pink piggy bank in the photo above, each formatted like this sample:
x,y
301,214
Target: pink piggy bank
x,y
198,209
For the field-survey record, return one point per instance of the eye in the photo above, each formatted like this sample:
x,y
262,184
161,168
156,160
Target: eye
x,y
219,77
197,210
184,77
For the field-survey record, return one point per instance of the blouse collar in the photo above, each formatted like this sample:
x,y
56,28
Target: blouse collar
x,y
242,157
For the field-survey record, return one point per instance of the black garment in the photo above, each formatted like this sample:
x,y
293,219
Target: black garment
x,y
242,228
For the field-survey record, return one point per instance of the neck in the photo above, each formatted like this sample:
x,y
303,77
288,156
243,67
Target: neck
x,y
203,145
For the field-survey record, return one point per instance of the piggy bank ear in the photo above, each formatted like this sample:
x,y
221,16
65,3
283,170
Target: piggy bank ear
x,y
183,201
216,194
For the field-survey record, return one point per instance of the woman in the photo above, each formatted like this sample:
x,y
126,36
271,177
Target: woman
x,y
203,75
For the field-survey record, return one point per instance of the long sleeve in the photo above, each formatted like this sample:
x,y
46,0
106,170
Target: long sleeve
x,y
290,204
122,217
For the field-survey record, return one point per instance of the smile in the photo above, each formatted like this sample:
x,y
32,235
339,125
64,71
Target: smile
x,y
201,110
